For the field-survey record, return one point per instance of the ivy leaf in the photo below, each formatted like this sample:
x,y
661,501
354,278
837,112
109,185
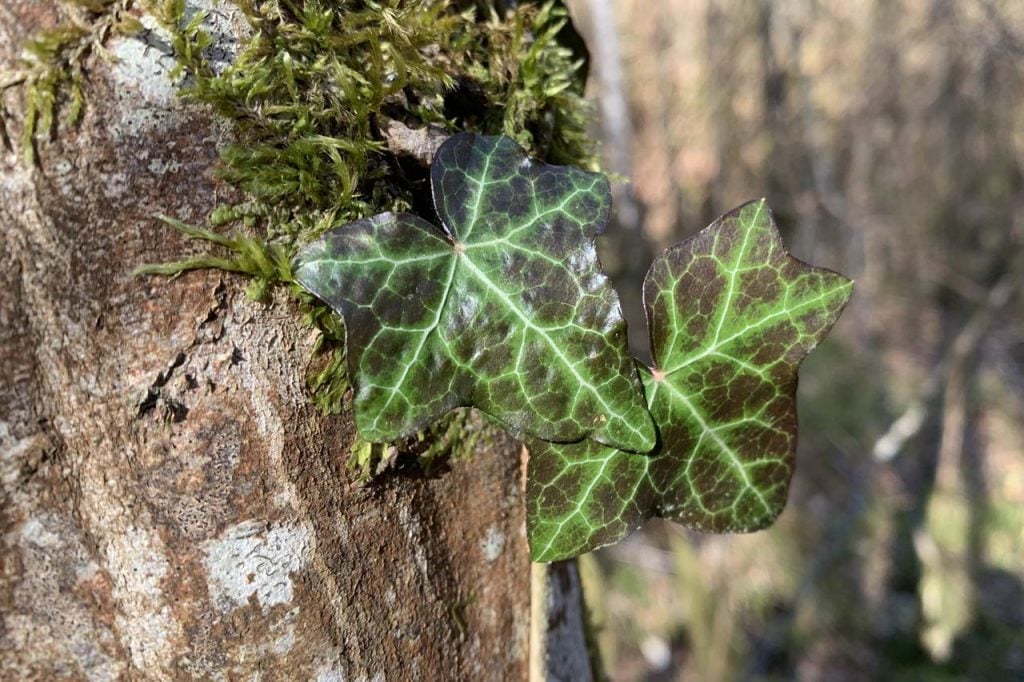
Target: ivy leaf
x,y
731,315
504,308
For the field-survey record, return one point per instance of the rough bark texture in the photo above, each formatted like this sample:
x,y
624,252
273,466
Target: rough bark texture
x,y
172,506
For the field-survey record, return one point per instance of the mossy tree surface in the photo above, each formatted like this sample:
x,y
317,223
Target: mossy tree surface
x,y
156,433
311,98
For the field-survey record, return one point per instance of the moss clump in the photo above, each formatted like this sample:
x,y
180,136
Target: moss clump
x,y
265,262
452,438
52,68
311,90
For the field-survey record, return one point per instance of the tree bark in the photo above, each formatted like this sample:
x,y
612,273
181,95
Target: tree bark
x,y
172,506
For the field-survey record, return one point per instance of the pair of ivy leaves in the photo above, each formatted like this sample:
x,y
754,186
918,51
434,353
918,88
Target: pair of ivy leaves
x,y
505,309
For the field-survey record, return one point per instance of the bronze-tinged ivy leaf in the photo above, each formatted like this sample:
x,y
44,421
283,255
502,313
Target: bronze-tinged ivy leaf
x,y
504,309
731,315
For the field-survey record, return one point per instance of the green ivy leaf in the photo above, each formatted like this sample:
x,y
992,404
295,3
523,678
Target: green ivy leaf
x,y
505,308
731,315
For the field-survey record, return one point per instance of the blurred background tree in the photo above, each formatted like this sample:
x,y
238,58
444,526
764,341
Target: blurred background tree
x,y
888,137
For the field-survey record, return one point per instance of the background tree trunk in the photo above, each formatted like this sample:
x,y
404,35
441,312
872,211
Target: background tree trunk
x,y
172,505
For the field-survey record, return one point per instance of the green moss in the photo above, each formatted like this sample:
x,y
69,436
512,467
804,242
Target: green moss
x,y
457,611
309,95
366,458
530,68
266,263
52,72
451,438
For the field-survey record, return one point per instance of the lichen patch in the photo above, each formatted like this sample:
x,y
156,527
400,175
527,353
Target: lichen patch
x,y
492,544
143,68
251,559
146,624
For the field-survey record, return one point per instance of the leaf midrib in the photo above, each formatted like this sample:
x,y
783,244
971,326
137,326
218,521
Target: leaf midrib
x,y
737,264
735,462
714,347
393,389
511,305
578,511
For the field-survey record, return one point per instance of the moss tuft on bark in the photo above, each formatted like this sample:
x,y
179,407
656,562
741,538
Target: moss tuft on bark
x,y
52,72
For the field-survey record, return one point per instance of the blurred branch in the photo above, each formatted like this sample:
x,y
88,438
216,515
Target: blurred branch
x,y
908,424
615,119
948,276
558,650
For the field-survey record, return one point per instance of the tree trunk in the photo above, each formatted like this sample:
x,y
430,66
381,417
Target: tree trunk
x,y
172,505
